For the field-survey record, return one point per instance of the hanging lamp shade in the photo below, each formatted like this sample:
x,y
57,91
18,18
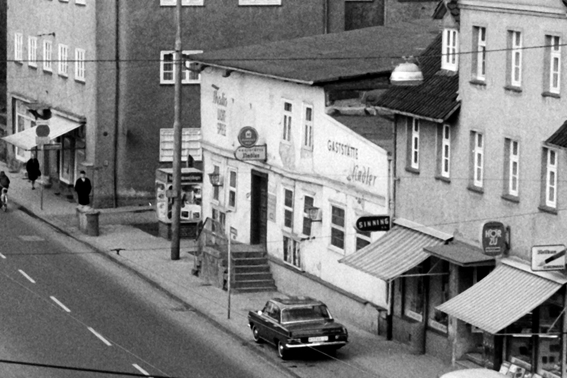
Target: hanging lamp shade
x,y
406,74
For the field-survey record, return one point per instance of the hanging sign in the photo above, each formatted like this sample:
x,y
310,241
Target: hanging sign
x,y
258,153
373,223
248,136
548,257
494,238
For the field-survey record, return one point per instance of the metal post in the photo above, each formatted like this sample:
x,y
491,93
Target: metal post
x,y
229,275
42,184
176,221
564,337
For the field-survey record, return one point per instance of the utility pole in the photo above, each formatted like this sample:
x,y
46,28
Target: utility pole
x,y
176,195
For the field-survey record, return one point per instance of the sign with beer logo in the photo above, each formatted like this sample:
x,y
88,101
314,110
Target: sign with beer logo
x,y
258,153
548,257
373,223
494,238
248,136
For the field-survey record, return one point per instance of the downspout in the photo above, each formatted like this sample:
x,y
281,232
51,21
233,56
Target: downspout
x,y
116,102
392,213
325,16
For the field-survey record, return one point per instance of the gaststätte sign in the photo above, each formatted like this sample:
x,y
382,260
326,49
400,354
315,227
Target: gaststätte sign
x,y
548,257
257,153
248,136
373,223
494,238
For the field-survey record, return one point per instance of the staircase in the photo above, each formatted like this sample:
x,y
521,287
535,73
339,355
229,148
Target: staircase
x,y
251,272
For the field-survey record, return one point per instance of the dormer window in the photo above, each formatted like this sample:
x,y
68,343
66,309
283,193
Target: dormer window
x,y
450,50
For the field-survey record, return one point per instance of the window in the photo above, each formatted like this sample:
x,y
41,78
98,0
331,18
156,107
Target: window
x,y
515,58
438,294
220,219
24,120
185,3
63,56
79,64
413,145
479,59
18,47
338,227
216,189
362,239
259,2
47,55
414,293
549,178
286,121
291,249
450,50
552,64
308,127
477,141
168,67
307,204
81,2
32,51
288,209
444,151
232,189
512,167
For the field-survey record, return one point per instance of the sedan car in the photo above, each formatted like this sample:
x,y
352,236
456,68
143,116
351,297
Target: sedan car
x,y
474,373
297,322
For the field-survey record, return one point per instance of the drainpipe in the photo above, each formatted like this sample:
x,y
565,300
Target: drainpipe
x,y
392,213
564,337
116,103
325,16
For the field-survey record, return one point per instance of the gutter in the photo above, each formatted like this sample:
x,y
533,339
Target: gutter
x,y
413,115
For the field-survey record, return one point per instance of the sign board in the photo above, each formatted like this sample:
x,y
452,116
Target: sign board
x,y
51,146
247,136
190,144
42,130
494,238
373,223
548,257
258,153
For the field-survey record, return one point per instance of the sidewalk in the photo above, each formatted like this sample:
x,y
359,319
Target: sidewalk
x,y
149,257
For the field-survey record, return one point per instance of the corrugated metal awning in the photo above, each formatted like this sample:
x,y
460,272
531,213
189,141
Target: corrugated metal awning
x,y
501,298
399,250
26,139
460,254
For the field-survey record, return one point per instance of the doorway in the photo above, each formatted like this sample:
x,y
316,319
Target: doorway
x,y
258,208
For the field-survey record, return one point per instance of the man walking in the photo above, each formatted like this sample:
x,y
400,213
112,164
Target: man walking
x,y
83,188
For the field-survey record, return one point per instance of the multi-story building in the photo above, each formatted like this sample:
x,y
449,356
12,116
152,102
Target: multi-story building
x,y
105,71
495,165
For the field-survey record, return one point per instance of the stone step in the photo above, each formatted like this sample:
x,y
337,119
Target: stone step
x,y
466,364
252,276
251,269
255,289
248,254
253,283
250,261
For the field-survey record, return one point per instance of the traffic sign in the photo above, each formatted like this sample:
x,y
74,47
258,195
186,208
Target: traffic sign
x,y
42,130
373,223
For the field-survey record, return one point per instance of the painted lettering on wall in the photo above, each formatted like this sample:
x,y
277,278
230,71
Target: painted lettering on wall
x,y
220,100
362,175
342,149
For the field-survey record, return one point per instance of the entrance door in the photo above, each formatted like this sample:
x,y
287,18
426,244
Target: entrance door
x,y
259,208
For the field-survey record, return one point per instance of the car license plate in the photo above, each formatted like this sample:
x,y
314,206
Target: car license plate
x,y
318,339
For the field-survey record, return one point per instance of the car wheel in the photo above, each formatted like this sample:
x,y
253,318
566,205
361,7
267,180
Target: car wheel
x,y
282,350
256,334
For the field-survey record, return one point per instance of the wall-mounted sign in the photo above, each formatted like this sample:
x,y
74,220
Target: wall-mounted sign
x,y
258,153
548,257
494,238
373,223
248,136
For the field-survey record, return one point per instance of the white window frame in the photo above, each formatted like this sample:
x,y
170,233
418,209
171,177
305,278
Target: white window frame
x,y
259,2
445,150
551,178
414,148
554,64
307,127
216,189
364,236
24,121
516,58
287,208
287,120
47,55
450,58
32,51
81,2
478,159
292,255
188,77
481,53
184,3
80,72
232,189
63,56
307,222
338,227
514,168
18,47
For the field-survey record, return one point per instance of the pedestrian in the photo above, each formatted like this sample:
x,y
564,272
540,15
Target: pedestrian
x,y
4,180
32,167
83,188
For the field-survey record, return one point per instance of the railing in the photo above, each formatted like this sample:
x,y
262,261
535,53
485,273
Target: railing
x,y
211,235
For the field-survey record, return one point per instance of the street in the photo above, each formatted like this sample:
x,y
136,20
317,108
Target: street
x,y
68,308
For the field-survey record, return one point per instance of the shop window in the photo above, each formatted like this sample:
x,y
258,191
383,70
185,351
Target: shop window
x,y
438,294
338,227
362,239
24,120
413,294
291,251
307,204
288,209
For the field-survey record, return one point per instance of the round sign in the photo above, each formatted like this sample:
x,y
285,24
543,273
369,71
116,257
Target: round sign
x,y
248,136
42,130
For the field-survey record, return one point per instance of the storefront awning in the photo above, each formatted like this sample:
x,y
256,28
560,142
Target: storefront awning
x,y
504,296
460,254
399,250
559,137
27,139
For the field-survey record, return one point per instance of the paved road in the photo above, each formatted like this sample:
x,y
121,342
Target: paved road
x,y
63,305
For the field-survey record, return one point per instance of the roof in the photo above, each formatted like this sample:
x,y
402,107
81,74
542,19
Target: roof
x,y
328,57
448,5
296,301
435,99
501,298
559,138
461,254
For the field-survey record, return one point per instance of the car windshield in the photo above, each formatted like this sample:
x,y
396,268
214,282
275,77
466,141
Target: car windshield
x,y
307,313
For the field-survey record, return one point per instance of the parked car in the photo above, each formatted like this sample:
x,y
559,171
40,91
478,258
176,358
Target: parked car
x,y
297,322
474,373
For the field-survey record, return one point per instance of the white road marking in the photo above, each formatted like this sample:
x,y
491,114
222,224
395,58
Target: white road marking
x,y
31,238
2,256
60,304
141,370
100,336
26,275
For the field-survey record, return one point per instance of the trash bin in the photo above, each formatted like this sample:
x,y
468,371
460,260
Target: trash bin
x,y
88,221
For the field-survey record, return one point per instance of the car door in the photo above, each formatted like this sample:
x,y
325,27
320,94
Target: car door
x,y
265,322
280,331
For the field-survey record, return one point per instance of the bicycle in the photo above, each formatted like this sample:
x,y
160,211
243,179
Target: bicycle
x,y
4,200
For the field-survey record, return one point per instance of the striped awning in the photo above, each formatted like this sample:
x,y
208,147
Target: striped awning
x,y
27,139
399,250
501,298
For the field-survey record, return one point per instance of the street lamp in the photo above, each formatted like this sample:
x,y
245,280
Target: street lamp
x,y
315,214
